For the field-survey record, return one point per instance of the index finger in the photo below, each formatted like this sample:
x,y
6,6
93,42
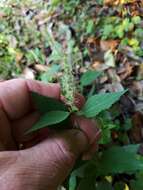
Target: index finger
x,y
15,95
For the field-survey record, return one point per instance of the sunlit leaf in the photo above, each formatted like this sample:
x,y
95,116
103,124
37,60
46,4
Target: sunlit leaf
x,y
109,59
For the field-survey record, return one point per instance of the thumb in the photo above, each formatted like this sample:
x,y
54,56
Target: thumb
x,y
52,160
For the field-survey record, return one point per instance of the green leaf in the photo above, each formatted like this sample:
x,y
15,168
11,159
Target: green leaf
x,y
45,104
119,186
117,160
127,124
76,174
106,127
100,2
138,33
88,77
138,183
133,42
87,183
136,19
107,31
50,118
50,74
124,41
55,2
104,185
36,55
100,102
79,172
89,26
72,182
106,136
127,25
119,30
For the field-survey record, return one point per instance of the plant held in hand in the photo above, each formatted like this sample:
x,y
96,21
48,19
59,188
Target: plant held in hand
x,y
57,114
55,111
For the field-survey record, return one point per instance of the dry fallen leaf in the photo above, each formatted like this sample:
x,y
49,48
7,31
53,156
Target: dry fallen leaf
x,y
40,68
18,56
103,79
109,58
114,87
127,105
96,64
136,8
140,72
139,106
136,89
118,2
112,75
136,131
125,71
106,45
92,40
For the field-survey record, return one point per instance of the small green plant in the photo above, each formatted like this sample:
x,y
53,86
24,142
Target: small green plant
x,y
55,113
94,105
8,65
113,161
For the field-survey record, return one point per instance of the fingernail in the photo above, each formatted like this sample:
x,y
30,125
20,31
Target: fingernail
x,y
78,140
81,139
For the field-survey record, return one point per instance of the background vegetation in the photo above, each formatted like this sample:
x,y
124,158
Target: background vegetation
x,y
105,38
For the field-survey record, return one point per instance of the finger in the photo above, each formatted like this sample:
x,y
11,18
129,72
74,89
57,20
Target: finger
x,y
15,95
21,126
36,138
51,90
6,140
93,133
54,158
90,152
89,127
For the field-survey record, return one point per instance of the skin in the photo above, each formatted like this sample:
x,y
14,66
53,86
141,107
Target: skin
x,y
41,160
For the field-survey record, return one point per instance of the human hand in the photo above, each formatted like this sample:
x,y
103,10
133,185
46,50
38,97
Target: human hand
x,y
47,156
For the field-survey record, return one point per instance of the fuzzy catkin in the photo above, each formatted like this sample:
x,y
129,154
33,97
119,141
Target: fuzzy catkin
x,y
68,84
68,81
65,53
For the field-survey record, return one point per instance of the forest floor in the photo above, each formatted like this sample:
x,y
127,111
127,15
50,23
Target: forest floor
x,y
104,35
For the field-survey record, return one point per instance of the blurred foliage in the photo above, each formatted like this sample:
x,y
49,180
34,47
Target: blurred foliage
x,y
23,30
